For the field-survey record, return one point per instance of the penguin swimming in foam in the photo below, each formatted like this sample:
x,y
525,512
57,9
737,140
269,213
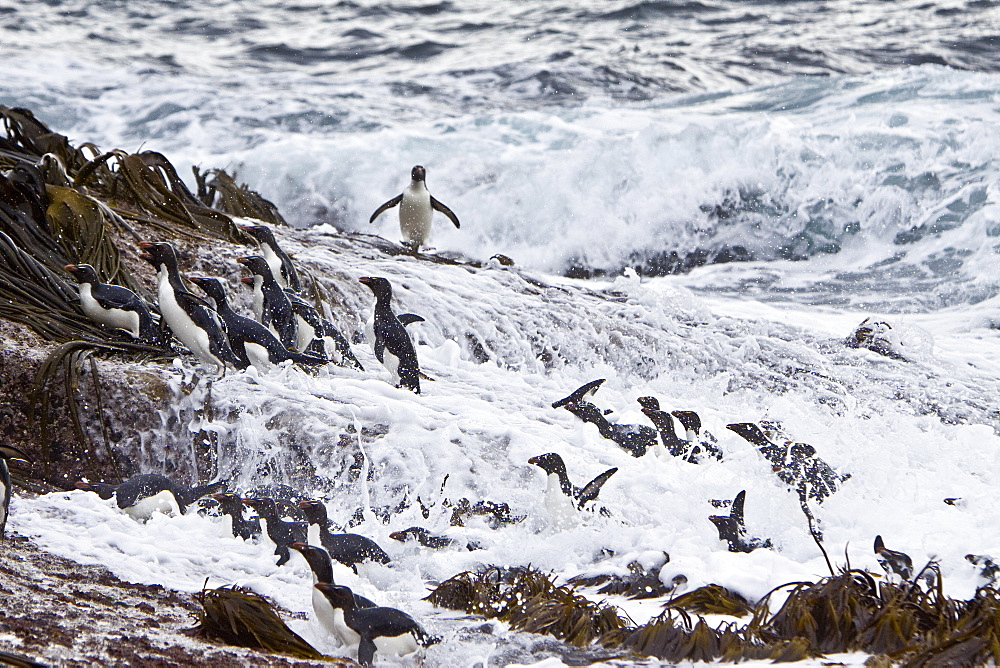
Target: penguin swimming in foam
x,y
232,507
114,305
669,444
190,318
281,265
349,549
250,341
633,438
7,453
387,631
142,495
563,498
388,337
892,561
702,445
733,529
430,540
330,618
281,532
416,210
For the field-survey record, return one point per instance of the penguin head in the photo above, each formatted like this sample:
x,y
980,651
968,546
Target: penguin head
x,y
256,265
416,533
689,419
586,411
83,273
103,490
228,501
211,287
649,403
378,285
9,452
262,234
750,432
550,462
158,253
338,596
263,505
418,173
314,511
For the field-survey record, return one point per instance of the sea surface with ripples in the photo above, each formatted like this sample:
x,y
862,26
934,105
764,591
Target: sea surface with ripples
x,y
578,138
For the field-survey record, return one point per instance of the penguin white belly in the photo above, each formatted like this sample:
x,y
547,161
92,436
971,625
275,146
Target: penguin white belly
x,y
313,538
389,361
331,350
415,215
304,333
559,506
114,317
274,263
400,645
4,500
258,356
257,301
184,328
660,451
161,502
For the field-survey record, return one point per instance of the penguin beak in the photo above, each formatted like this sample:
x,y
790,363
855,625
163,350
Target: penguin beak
x,y
218,496
243,260
365,279
533,460
71,268
305,504
80,484
298,545
247,279
398,535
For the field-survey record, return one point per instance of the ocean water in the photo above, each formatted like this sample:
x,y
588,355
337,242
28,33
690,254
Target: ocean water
x,y
703,199
855,136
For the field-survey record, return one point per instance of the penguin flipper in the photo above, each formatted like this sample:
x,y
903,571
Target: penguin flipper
x,y
409,318
379,348
736,511
579,393
10,452
388,205
366,651
593,488
438,206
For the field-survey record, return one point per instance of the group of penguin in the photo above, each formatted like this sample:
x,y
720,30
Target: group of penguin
x,y
354,621
286,327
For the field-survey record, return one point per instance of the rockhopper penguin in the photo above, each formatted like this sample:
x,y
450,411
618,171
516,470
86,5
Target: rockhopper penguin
x,y
114,306
416,210
251,341
190,318
277,259
330,618
388,337
387,631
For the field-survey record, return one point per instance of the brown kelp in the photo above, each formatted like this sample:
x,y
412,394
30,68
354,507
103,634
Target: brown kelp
x,y
846,612
238,616
61,204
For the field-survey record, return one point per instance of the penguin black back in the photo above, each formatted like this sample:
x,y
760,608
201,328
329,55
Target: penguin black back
x,y
285,274
282,533
277,309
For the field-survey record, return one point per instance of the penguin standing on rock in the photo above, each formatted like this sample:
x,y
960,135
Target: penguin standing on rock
x,y
416,210
281,265
251,341
390,342
271,305
7,452
114,306
383,630
190,318
232,507
281,533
